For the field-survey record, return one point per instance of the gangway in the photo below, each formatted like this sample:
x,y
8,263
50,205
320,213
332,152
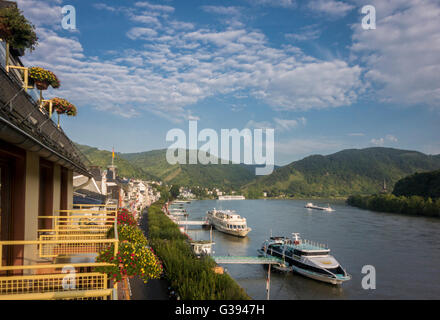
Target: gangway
x,y
251,260
247,260
193,223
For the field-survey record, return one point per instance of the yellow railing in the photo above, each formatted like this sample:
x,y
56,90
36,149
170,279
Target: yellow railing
x,y
56,282
55,286
80,222
72,236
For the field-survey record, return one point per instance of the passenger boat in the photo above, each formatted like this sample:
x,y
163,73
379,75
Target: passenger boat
x,y
312,206
228,221
178,212
306,258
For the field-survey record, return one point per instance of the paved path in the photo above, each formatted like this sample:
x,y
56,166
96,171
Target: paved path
x,y
156,289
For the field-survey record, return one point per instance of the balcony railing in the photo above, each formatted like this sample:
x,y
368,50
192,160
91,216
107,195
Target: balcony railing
x,y
72,244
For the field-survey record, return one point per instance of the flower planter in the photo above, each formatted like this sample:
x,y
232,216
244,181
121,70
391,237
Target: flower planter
x,y
43,78
41,85
17,52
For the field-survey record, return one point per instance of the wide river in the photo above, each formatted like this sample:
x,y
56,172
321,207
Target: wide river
x,y
404,250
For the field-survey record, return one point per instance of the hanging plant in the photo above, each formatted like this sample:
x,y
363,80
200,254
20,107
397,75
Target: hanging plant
x,y
43,78
61,106
17,30
132,259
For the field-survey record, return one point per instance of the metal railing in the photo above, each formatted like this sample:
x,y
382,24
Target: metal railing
x,y
71,237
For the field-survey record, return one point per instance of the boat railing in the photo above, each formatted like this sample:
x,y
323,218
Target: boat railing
x,y
314,244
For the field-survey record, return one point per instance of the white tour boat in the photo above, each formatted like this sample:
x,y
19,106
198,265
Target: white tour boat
x,y
228,221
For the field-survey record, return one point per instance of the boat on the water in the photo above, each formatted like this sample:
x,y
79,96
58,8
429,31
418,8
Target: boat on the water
x,y
178,212
230,197
307,258
312,206
228,221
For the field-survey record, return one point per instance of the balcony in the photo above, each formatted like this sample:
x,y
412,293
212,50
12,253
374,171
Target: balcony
x,y
59,264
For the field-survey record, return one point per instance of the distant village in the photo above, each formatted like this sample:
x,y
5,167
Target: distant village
x,y
107,187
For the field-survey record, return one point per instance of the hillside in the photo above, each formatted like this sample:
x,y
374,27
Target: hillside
x,y
426,184
344,173
153,165
103,158
212,175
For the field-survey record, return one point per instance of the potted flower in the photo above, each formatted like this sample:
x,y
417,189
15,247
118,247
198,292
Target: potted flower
x,y
43,78
61,106
16,30
129,233
126,217
132,259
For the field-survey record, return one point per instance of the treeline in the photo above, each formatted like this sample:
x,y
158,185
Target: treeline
x,y
193,278
412,205
426,184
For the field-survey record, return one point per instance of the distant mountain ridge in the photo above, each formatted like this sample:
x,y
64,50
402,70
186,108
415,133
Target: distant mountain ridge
x,y
153,165
351,171
347,172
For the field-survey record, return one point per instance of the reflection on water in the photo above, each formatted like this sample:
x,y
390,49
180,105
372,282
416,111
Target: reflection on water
x,y
404,250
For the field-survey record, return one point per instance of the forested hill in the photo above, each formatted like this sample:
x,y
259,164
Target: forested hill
x,y
103,158
212,175
352,171
426,184
153,165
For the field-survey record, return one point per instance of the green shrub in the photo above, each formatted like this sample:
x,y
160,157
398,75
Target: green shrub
x,y
16,29
193,278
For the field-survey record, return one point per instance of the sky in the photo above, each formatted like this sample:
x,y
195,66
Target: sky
x,y
137,69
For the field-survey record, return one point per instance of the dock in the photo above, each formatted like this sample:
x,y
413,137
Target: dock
x,y
247,260
193,223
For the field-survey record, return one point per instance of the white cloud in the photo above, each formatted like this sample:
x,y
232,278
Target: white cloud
x,y
288,124
330,8
274,3
177,68
103,6
222,10
381,141
402,54
142,33
356,134
391,138
154,7
305,33
252,124
45,13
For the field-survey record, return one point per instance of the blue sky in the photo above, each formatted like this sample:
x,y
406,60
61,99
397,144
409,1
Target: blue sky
x,y
136,69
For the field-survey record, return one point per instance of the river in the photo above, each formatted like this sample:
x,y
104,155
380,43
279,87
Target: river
x,y
404,250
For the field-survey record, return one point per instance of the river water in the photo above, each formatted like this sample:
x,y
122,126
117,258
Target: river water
x,y
404,250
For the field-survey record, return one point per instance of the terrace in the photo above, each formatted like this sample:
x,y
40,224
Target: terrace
x,y
59,264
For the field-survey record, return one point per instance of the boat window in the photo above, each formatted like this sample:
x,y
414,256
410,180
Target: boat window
x,y
337,270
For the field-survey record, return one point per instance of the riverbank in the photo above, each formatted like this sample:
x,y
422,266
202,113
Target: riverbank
x,y
193,278
413,205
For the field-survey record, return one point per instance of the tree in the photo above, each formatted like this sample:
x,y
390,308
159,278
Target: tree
x,y
16,29
175,191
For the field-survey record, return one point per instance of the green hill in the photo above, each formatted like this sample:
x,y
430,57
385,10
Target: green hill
x,y
103,158
344,173
153,165
212,175
426,184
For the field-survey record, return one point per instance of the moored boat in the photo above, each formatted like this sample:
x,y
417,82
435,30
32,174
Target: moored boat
x,y
306,258
228,221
